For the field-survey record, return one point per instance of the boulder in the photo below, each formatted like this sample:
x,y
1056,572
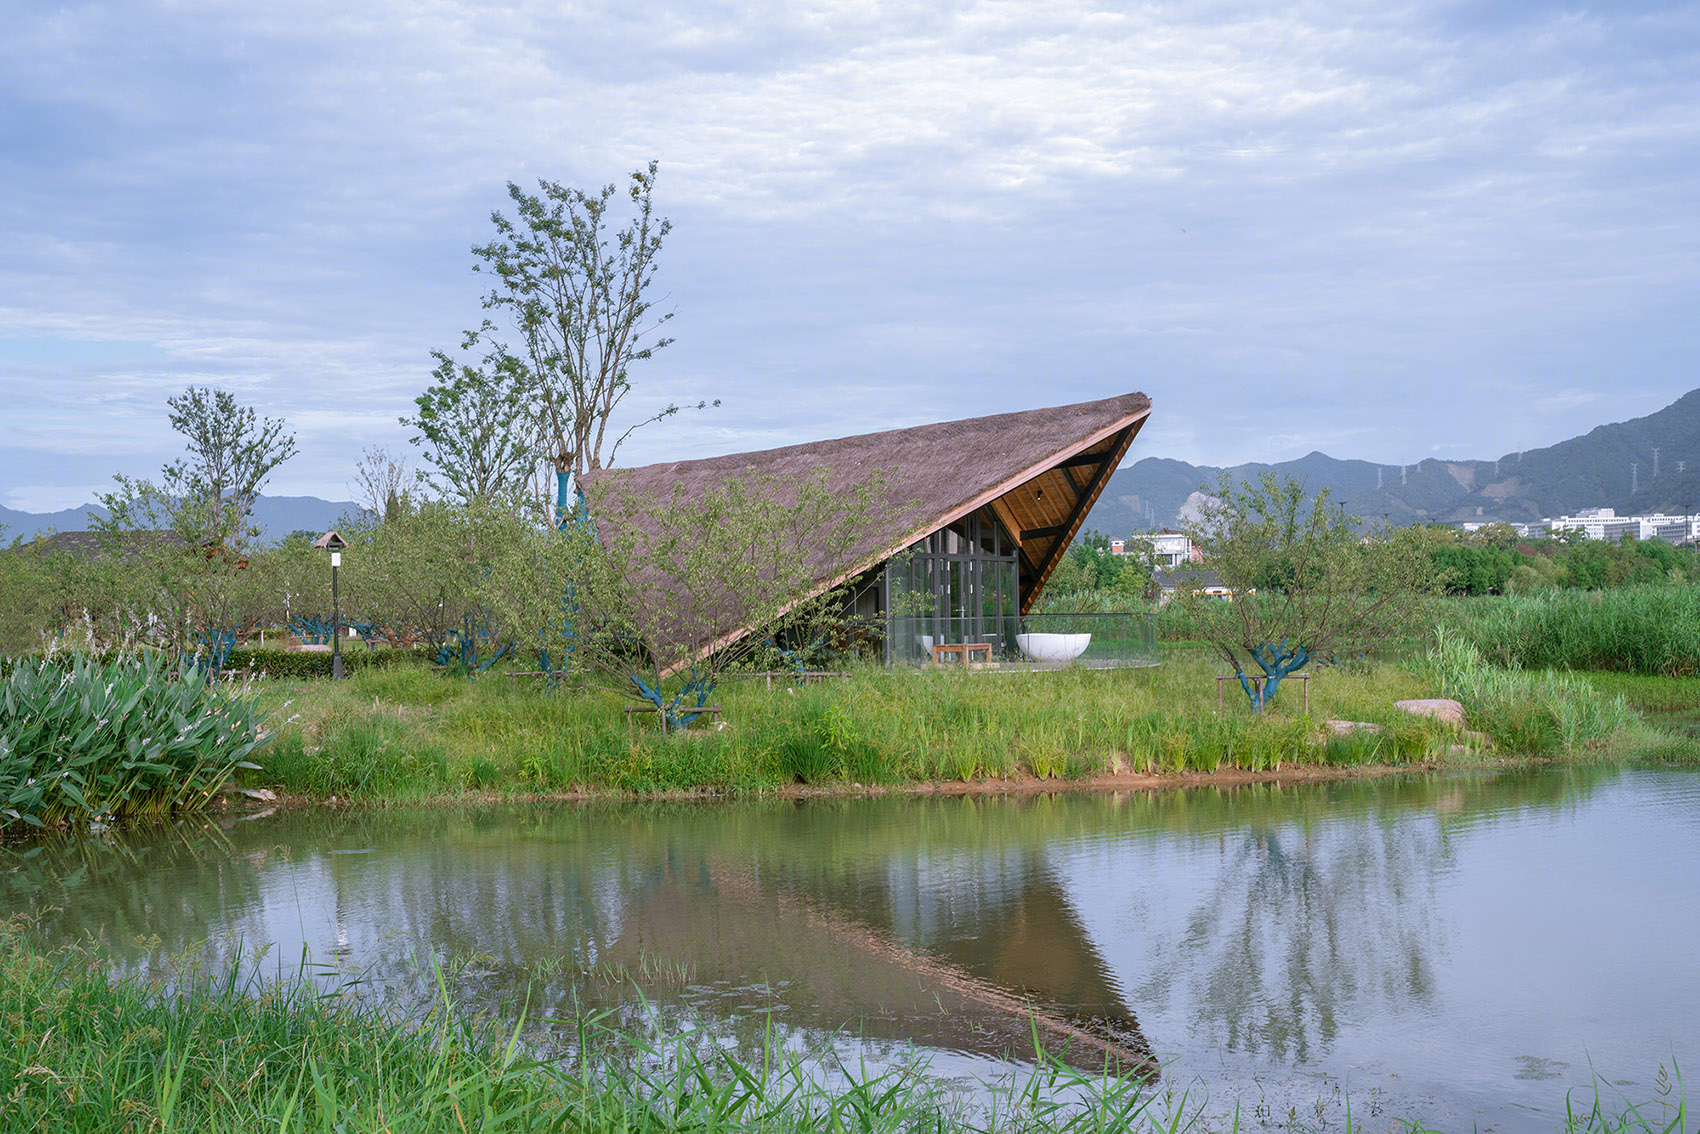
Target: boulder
x,y
1442,708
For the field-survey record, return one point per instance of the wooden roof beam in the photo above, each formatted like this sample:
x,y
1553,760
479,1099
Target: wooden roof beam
x,y
1088,496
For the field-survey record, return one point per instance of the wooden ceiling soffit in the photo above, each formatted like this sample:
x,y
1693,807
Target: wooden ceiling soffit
x,y
1000,509
1123,430
1058,537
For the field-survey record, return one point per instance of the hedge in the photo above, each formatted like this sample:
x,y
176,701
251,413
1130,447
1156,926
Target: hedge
x,y
317,663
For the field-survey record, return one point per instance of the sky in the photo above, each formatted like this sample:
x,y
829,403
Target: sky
x,y
1387,231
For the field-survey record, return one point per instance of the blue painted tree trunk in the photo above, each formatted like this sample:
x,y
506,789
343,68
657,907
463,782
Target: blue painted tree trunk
x,y
562,513
459,651
369,632
673,717
217,642
1276,662
579,516
314,630
800,658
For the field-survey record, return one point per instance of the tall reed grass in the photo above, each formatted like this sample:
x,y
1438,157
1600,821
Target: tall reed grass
x,y
1524,710
1646,629
133,736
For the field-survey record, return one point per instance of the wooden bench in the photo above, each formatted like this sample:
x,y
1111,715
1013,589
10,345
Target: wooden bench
x,y
1257,682
711,710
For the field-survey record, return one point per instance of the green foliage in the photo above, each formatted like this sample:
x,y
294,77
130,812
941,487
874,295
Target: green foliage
x,y
579,305
1595,564
474,428
33,600
269,662
1474,570
130,737
209,498
1307,587
1089,578
1524,712
424,575
691,586
1649,629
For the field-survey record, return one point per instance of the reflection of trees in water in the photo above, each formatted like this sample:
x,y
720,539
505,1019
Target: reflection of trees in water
x,y
1321,902
867,909
170,880
1301,926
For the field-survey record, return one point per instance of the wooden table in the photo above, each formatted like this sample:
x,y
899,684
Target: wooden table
x,y
963,650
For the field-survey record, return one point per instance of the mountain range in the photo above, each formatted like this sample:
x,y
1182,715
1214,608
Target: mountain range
x,y
1649,464
276,516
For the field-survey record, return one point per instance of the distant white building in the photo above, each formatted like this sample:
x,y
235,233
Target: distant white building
x,y
1169,547
1604,523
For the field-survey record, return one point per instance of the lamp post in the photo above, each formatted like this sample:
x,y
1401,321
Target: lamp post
x,y
336,621
334,543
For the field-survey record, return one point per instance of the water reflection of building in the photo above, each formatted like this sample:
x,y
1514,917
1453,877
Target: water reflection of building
x,y
1258,921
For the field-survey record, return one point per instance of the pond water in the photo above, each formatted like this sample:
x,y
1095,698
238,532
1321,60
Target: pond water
x,y
1460,950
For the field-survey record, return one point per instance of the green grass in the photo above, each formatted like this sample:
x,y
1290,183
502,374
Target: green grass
x,y
1537,712
196,1052
404,734
84,1051
1644,629
1653,692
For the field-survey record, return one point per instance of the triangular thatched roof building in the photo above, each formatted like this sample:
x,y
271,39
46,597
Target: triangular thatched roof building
x,y
990,505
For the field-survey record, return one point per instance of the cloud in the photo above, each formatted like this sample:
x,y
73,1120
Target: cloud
x,y
1326,226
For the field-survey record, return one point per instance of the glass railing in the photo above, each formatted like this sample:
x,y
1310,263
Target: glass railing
x,y
1035,641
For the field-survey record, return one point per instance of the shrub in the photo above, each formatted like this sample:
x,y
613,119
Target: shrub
x,y
317,663
1523,711
116,739
1650,629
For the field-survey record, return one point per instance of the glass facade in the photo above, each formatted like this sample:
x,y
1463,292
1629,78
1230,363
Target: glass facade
x,y
960,584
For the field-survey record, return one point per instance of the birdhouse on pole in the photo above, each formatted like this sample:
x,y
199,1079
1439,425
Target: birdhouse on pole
x,y
330,541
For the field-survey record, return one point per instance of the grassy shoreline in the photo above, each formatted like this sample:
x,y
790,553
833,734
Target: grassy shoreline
x,y
404,734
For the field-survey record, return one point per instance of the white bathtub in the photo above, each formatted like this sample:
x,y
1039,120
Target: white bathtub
x,y
1053,647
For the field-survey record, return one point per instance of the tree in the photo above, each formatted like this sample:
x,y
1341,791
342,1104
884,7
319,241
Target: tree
x,y
1090,578
1306,586
474,428
663,595
208,499
383,483
578,300
422,576
232,453
193,590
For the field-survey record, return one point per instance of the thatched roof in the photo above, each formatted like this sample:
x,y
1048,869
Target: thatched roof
x,y
95,544
1039,470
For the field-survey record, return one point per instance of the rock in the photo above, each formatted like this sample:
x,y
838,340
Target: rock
x,y
1349,728
1441,708
264,795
